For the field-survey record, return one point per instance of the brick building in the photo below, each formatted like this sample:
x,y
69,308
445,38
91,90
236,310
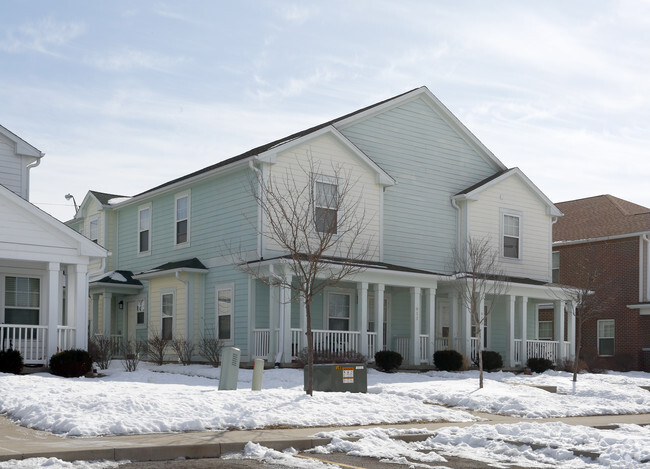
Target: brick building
x,y
612,236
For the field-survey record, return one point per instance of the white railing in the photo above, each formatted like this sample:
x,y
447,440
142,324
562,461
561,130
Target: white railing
x,y
116,344
424,348
296,342
517,351
30,341
567,350
441,343
261,343
65,338
336,342
542,349
473,345
402,346
372,346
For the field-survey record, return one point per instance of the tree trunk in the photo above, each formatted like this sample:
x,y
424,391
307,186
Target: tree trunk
x,y
578,333
310,351
479,347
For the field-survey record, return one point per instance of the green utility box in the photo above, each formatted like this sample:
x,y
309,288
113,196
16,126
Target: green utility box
x,y
339,377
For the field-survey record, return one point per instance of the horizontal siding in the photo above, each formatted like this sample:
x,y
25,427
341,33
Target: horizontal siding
x,y
11,167
430,162
485,220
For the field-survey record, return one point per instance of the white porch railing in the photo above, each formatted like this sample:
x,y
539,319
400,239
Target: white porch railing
x,y
116,344
261,343
542,349
372,346
424,348
402,347
337,342
66,338
517,351
473,349
296,342
30,341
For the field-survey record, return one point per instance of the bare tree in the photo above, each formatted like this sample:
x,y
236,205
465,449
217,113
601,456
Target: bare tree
x,y
479,275
589,282
316,217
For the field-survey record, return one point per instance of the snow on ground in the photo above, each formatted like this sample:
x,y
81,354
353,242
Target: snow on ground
x,y
176,398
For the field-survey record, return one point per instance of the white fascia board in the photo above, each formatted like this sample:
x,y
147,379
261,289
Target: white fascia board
x,y
441,109
602,238
270,156
162,273
22,147
644,308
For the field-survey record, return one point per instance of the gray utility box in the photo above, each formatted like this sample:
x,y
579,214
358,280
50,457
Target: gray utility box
x,y
339,377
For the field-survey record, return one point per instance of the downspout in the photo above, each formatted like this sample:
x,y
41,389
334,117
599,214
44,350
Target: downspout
x,y
188,318
458,223
278,356
259,210
29,167
647,268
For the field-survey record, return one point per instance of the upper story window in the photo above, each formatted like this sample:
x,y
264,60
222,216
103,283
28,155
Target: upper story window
x,y
224,312
326,204
511,230
144,229
555,272
182,219
93,229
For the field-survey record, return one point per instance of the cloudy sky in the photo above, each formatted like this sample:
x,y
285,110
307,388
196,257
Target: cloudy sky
x,y
122,95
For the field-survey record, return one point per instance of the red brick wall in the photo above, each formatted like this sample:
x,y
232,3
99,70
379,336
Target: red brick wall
x,y
619,289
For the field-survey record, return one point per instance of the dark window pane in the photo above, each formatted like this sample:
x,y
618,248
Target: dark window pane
x,y
606,347
510,247
144,241
224,327
167,328
325,220
181,232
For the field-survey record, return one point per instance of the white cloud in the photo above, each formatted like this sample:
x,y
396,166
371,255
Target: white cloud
x,y
298,13
43,36
130,59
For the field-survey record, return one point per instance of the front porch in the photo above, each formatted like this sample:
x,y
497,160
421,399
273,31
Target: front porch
x,y
32,341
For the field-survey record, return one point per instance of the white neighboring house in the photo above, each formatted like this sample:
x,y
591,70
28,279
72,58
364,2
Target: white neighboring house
x,y
43,265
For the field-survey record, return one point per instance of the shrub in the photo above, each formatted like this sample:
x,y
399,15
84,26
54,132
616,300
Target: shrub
x,y
71,363
101,351
11,361
133,351
492,361
184,349
325,356
210,349
156,346
539,364
387,360
448,360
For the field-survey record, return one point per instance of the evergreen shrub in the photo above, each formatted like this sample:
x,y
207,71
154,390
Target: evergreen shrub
x,y
448,360
388,360
71,363
539,364
492,361
11,361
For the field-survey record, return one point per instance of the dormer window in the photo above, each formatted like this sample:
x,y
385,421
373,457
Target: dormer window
x,y
93,230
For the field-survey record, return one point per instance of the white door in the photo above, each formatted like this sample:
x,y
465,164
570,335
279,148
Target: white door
x,y
131,315
443,325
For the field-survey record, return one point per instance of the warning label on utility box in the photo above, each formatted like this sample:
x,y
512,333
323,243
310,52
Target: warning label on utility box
x,y
348,375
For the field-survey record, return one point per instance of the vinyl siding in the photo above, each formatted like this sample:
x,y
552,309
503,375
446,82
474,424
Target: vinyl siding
x,y
512,194
430,162
11,167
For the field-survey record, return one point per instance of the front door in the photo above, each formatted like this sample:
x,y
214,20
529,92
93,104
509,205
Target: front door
x,y
443,325
131,315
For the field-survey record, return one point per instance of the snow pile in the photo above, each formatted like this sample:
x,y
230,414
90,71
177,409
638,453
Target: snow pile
x,y
55,463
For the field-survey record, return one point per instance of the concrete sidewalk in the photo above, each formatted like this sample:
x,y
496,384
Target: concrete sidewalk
x,y
21,443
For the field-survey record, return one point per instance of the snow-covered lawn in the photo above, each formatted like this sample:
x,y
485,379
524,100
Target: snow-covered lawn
x,y
175,398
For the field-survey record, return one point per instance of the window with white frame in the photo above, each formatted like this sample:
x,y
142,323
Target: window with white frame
x,y
144,229
511,229
182,219
555,277
545,330
167,315
93,229
338,311
606,337
22,300
139,312
224,296
326,204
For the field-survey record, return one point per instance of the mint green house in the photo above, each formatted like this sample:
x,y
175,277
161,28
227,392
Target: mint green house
x,y
426,185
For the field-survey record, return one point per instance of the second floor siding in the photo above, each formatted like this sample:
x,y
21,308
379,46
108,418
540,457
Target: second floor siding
x,y
431,162
217,212
12,168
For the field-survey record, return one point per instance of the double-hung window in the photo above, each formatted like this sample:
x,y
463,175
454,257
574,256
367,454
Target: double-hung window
x,y
93,229
339,311
167,315
326,200
139,308
182,219
22,300
511,230
606,337
224,298
555,266
545,330
144,229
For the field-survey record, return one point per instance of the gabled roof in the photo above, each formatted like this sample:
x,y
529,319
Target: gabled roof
x,y
22,147
472,192
600,216
104,198
192,265
118,277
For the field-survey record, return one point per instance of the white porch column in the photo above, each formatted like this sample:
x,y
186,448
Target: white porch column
x,y
106,314
558,323
416,302
510,330
430,303
524,330
379,316
454,315
466,334
53,288
274,313
572,330
77,303
362,317
285,320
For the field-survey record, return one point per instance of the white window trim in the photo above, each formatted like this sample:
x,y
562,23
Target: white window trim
x,y
91,220
217,289
142,300
546,322
176,220
3,298
502,231
164,292
141,209
598,337
340,291
327,180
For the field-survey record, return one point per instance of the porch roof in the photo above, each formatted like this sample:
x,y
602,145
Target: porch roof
x,y
193,265
118,277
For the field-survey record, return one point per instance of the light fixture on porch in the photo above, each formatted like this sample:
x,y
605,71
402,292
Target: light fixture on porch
x,y
69,196
120,304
